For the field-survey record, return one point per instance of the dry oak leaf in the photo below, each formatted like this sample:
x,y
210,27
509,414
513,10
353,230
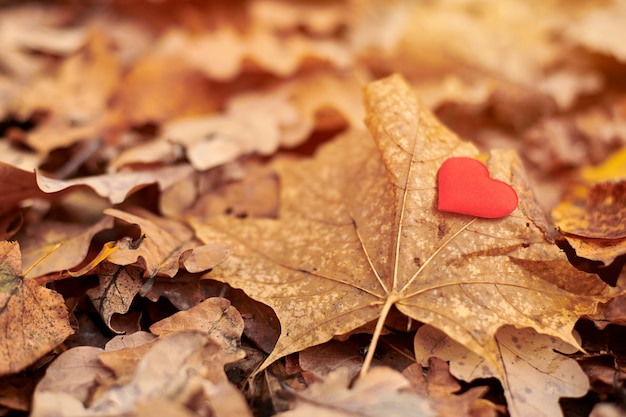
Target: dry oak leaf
x,y
261,326
33,319
117,186
77,96
155,91
256,122
163,246
359,233
258,48
248,189
123,353
599,30
116,290
215,400
174,367
438,385
382,392
438,382
439,36
17,185
602,250
535,375
215,317
184,292
178,370
53,246
75,373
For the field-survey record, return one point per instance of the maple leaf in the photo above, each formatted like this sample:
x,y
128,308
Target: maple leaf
x,y
359,233
33,319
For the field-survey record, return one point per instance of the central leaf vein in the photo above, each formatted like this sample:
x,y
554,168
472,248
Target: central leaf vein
x,y
436,252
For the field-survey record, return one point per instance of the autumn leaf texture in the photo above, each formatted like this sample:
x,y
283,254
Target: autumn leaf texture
x,y
33,319
364,235
312,208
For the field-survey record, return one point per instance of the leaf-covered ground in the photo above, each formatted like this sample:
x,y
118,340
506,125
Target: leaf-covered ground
x,y
237,208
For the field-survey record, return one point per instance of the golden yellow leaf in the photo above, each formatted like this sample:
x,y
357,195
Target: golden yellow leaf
x,y
591,218
359,233
613,168
598,211
107,249
251,189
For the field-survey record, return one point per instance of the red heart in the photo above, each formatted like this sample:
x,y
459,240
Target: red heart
x,y
466,188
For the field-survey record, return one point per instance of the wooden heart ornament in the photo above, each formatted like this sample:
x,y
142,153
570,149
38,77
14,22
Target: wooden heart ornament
x,y
465,187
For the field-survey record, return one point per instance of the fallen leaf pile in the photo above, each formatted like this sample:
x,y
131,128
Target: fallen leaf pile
x,y
239,208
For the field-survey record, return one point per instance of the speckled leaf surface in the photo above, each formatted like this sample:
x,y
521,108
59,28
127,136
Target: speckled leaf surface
x,y
359,232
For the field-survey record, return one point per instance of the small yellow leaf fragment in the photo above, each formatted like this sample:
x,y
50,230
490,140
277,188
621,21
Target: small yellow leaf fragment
x,y
613,168
107,249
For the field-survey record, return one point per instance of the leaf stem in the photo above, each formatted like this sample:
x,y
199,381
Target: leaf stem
x,y
391,300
